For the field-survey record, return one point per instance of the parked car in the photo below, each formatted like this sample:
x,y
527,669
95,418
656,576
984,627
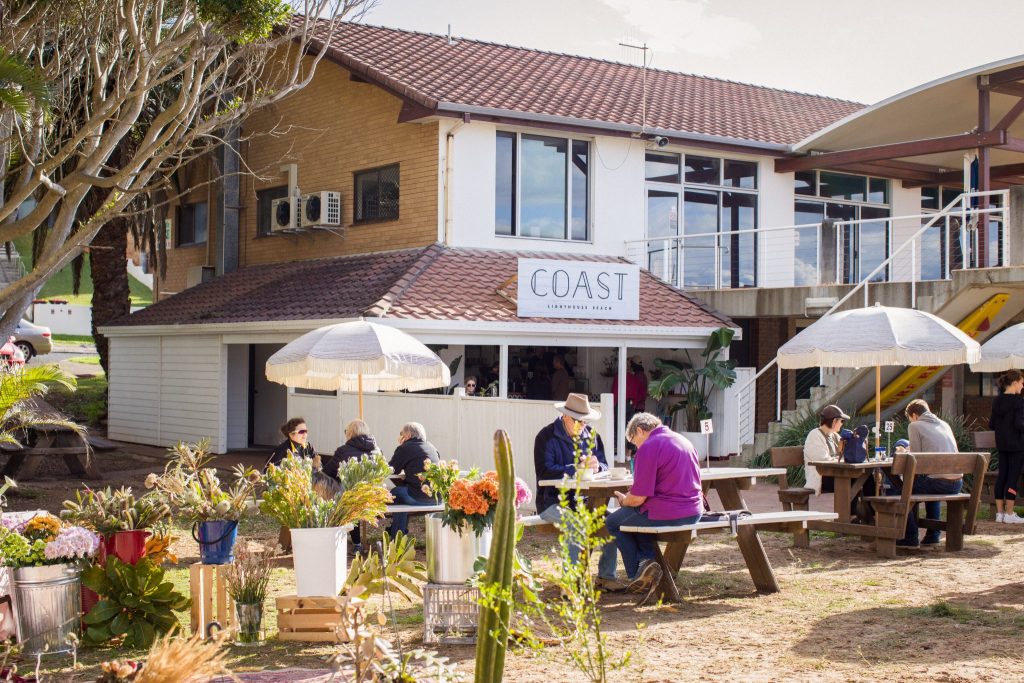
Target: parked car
x,y
32,339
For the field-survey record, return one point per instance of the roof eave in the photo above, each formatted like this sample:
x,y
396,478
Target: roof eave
x,y
459,109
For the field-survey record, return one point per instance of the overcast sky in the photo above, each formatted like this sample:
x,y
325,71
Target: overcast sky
x,y
864,51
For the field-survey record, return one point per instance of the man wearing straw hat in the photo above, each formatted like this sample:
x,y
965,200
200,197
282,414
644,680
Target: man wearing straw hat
x,y
554,457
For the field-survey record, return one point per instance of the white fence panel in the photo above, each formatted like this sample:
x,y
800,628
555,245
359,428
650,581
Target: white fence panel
x,y
459,427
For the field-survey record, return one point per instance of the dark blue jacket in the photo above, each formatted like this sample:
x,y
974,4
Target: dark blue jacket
x,y
553,457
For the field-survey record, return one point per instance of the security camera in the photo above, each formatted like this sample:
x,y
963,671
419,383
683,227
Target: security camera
x,y
659,140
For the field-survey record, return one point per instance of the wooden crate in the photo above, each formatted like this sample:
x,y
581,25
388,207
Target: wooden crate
x,y
313,619
210,599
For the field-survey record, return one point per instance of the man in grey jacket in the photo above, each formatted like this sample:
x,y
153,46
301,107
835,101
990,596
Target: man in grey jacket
x,y
929,434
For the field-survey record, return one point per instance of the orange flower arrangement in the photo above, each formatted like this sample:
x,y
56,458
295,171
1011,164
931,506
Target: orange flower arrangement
x,y
468,500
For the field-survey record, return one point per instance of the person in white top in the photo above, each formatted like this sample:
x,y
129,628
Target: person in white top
x,y
822,444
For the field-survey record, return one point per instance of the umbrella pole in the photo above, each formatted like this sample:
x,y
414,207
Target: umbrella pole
x,y
878,406
360,396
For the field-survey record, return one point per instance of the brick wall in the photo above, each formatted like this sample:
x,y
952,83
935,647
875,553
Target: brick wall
x,y
179,259
768,334
331,129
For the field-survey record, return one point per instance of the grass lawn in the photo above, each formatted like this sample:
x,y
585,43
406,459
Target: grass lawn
x,y
59,286
87,404
73,339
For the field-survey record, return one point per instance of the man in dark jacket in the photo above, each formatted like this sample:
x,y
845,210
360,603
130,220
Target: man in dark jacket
x,y
554,456
413,449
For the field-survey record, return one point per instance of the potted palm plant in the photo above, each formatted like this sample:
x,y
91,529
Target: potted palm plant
x,y
194,491
320,516
696,383
246,580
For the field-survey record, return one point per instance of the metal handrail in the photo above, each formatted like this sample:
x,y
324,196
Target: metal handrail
x,y
933,218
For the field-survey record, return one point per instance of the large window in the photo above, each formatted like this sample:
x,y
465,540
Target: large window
x,y
376,194
863,246
542,187
264,198
192,224
717,199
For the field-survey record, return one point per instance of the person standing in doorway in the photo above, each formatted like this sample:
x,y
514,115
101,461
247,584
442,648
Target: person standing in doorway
x,y
561,383
1007,421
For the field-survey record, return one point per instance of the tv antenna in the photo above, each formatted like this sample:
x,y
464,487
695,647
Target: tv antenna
x,y
643,85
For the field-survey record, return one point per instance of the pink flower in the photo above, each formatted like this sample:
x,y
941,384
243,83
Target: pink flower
x,y
523,493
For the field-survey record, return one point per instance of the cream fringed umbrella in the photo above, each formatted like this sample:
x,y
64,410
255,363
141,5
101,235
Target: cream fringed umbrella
x,y
1005,351
878,335
358,355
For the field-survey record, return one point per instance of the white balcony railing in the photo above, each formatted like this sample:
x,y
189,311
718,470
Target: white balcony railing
x,y
907,248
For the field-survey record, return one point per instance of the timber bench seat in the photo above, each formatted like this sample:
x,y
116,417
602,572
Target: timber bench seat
x,y
961,508
792,497
679,537
537,522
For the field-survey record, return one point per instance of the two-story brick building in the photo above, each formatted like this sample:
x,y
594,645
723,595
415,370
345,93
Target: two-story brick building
x,y
455,159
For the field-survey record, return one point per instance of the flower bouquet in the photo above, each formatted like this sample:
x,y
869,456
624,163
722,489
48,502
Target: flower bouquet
x,y
43,551
469,500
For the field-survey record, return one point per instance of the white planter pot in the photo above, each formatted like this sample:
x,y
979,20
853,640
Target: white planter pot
x,y
451,555
320,557
700,442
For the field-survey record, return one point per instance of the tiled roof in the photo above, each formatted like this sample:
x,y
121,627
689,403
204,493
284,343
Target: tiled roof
x,y
319,289
433,283
425,69
461,284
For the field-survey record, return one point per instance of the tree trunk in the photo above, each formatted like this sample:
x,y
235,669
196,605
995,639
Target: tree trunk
x,y
110,293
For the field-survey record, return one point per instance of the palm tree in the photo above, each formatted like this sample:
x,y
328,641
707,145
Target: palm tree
x,y
21,85
17,412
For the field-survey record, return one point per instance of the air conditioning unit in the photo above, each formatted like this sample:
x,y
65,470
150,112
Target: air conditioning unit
x,y
283,214
199,274
321,209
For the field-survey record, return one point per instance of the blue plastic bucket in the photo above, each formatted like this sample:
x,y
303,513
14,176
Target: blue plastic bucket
x,y
216,541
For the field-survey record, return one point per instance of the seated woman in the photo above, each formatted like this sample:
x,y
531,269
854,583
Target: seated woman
x,y
358,442
666,491
296,442
822,445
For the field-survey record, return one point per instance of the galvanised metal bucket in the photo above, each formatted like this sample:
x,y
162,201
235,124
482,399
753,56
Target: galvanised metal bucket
x,y
47,601
451,555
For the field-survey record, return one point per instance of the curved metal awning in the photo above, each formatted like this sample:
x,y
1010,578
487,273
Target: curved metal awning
x,y
930,126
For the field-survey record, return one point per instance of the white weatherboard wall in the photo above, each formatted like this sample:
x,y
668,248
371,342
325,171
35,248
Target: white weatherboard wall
x,y
66,318
616,192
461,428
168,389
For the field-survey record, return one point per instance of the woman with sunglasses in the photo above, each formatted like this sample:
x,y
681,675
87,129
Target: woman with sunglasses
x,y
296,442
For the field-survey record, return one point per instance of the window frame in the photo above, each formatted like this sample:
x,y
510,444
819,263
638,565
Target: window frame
x,y
517,174
355,194
179,220
847,242
683,186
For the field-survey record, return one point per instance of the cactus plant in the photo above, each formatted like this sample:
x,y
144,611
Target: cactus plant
x,y
492,639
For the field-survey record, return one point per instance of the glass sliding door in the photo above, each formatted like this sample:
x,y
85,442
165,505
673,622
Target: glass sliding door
x,y
738,251
700,254
805,251
663,222
873,244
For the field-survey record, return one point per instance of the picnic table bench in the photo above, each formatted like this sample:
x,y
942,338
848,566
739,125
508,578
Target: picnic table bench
x,y
72,448
679,537
961,508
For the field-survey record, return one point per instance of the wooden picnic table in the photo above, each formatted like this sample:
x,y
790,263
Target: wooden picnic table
x,y
849,479
728,482
72,448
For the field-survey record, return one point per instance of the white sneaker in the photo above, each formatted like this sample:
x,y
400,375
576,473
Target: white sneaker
x,y
1012,518
999,517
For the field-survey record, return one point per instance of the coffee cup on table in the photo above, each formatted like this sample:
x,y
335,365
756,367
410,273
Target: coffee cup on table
x,y
587,474
618,473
